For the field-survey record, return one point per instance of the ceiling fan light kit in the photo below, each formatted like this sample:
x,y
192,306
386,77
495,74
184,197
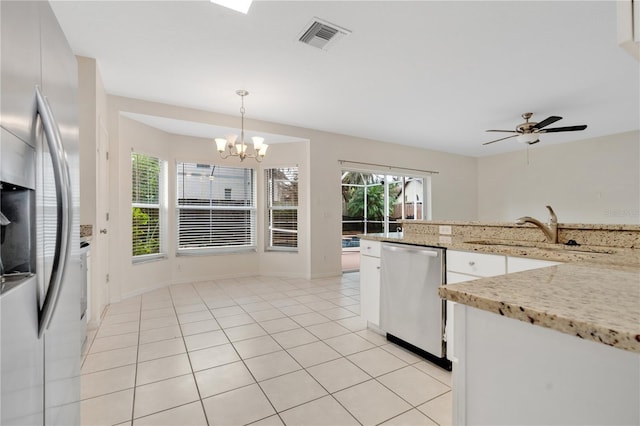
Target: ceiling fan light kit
x,y
528,138
528,132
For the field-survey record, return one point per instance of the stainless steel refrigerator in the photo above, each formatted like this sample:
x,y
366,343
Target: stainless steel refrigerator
x,y
40,321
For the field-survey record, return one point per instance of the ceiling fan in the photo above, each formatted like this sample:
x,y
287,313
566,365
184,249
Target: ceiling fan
x,y
528,131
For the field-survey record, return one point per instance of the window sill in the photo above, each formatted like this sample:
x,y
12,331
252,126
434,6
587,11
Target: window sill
x,y
148,258
281,250
215,251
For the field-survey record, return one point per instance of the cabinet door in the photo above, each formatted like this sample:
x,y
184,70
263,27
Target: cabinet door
x,y
449,327
370,289
454,277
20,67
517,264
478,264
370,248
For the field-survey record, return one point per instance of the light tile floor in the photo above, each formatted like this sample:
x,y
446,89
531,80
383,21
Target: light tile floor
x,y
257,350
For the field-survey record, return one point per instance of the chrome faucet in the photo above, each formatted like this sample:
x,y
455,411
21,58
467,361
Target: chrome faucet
x,y
550,230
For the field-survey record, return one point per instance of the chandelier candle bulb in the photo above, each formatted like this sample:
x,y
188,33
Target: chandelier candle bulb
x,y
240,148
221,144
231,139
257,142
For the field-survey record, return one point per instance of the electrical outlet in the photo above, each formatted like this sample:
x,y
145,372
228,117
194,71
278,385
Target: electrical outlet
x,y
444,240
445,230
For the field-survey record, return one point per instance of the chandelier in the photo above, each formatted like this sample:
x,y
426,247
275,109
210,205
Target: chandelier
x,y
230,148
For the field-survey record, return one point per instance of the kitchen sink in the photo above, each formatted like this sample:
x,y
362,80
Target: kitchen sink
x,y
545,246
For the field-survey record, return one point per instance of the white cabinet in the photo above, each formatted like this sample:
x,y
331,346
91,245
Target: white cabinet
x,y
370,281
466,266
454,277
510,372
370,248
518,264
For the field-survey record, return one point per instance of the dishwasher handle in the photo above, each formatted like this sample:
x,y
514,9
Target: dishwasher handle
x,y
421,251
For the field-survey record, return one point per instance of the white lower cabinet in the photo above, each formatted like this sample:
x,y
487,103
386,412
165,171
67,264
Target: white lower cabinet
x,y
461,266
518,264
476,264
370,281
454,277
465,266
509,372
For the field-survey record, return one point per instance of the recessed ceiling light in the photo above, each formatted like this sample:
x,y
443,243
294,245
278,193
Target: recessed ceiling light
x,y
237,5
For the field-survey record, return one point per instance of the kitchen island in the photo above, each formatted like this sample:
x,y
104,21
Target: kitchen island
x,y
556,345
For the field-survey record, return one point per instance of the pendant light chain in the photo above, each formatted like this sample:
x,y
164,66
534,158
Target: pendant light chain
x,y
243,154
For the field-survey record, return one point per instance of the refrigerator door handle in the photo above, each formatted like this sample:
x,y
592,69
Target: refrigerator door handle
x,y
62,178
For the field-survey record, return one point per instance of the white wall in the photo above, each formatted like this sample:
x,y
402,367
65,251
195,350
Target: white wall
x,y
590,181
137,278
87,76
454,194
292,264
92,115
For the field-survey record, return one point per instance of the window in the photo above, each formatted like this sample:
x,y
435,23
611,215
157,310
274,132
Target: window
x,y
216,208
147,221
373,203
282,208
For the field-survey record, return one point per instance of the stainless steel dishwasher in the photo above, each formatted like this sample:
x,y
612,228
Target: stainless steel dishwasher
x,y
411,311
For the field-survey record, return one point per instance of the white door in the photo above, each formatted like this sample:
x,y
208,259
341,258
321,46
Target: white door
x,y
101,253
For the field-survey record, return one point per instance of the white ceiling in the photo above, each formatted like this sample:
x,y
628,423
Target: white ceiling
x,y
422,73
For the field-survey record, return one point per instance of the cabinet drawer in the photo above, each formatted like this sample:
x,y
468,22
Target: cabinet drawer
x,y
478,264
370,248
517,264
454,277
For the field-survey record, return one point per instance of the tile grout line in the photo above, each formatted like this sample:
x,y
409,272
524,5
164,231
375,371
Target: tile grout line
x,y
95,334
302,369
247,289
313,377
247,368
135,374
193,373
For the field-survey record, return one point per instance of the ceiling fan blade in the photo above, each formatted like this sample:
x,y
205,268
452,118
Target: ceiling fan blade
x,y
507,131
501,139
564,129
547,121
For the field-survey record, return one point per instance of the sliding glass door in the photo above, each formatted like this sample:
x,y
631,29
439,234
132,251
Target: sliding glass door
x,y
374,203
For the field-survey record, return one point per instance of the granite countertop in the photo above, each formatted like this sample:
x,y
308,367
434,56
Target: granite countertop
x,y
86,231
512,224
593,295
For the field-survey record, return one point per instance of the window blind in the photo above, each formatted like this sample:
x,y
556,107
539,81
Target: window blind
x,y
282,206
216,207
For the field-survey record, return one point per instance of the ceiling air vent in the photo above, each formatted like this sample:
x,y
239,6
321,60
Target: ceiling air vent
x,y
322,34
